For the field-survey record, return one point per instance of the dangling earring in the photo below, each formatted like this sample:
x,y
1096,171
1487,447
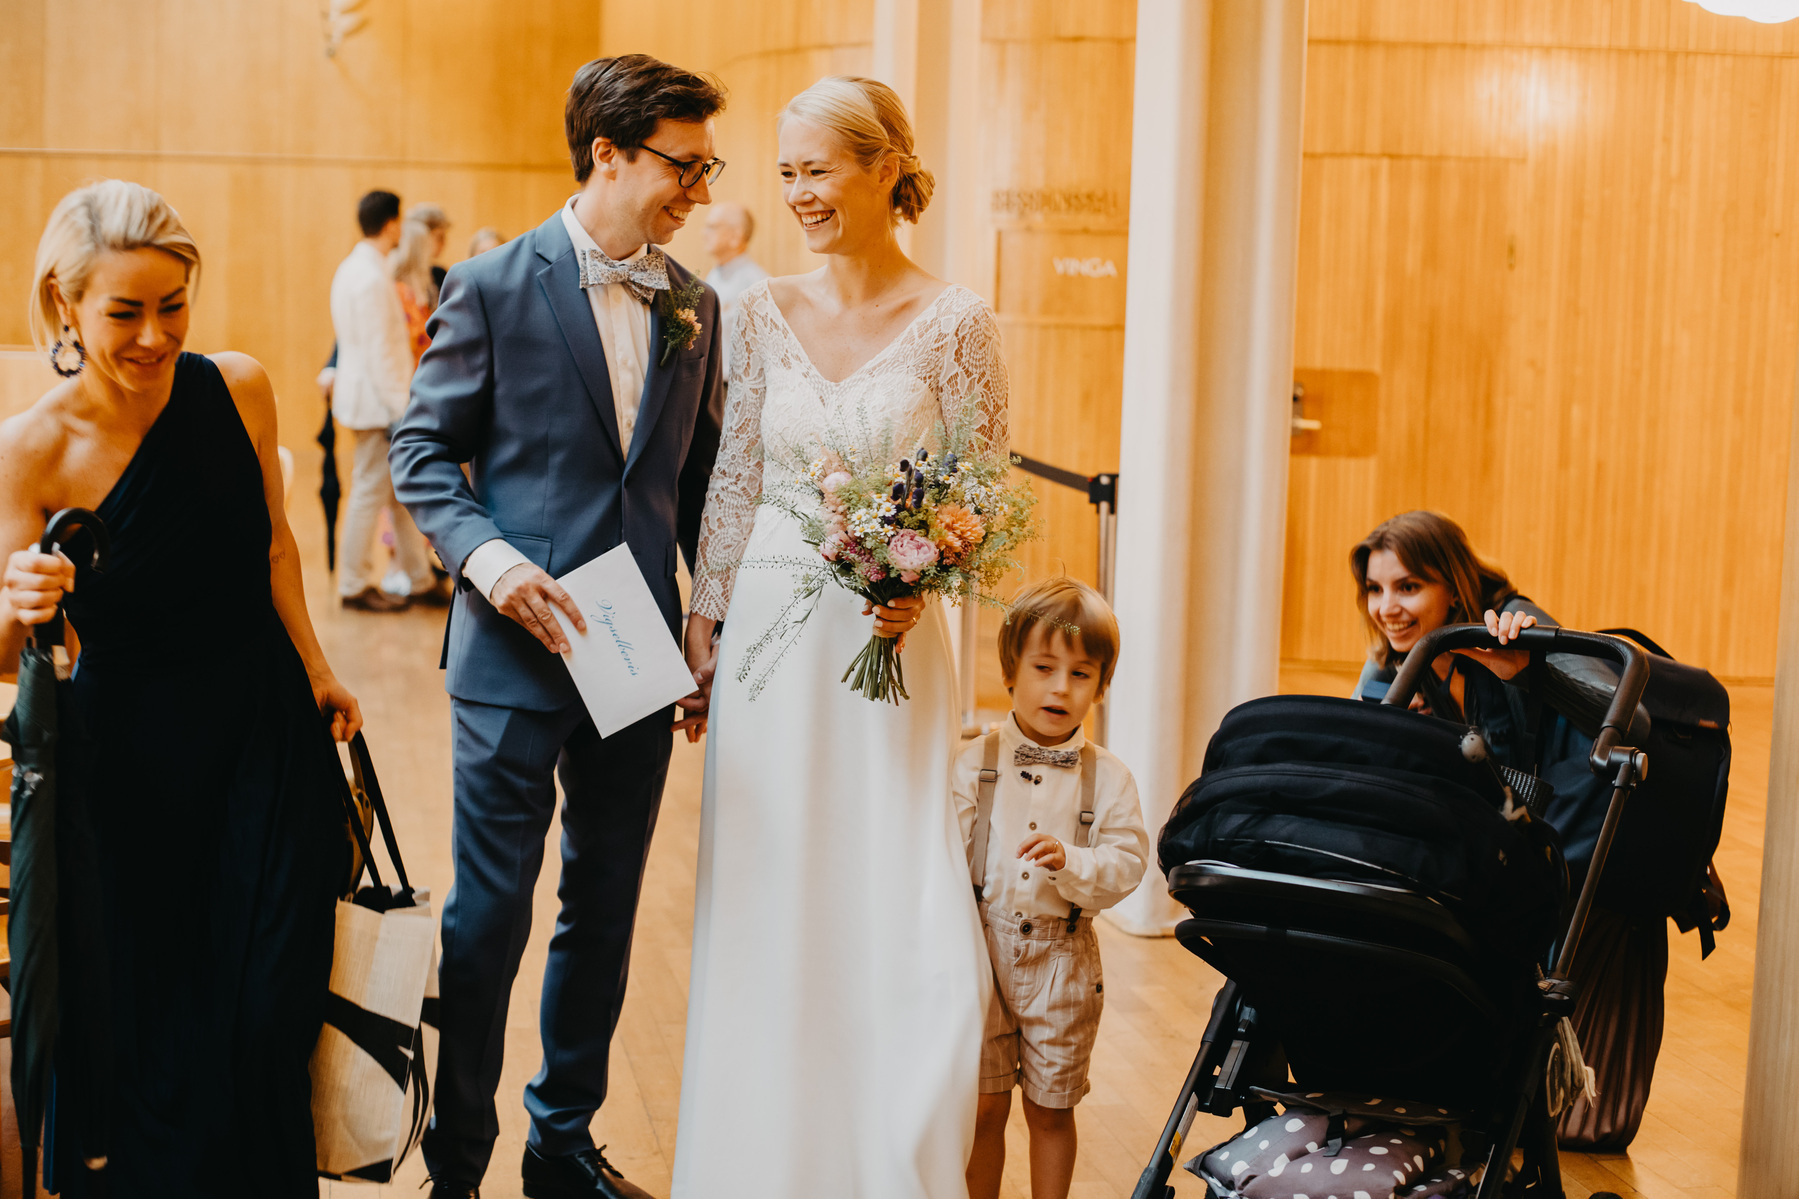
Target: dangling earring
x,y
56,352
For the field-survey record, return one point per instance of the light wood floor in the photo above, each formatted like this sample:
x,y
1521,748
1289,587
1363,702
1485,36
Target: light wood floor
x,y
1158,996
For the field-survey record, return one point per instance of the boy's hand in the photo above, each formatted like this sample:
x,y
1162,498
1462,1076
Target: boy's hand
x,y
1044,850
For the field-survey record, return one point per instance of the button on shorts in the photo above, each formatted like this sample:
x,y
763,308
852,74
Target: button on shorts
x,y
1044,1016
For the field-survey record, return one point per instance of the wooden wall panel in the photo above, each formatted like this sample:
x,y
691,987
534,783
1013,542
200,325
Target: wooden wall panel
x,y
1589,24
1437,101
1058,146
1588,306
263,143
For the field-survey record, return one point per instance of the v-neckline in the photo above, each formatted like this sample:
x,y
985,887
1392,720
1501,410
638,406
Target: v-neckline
x,y
138,453
879,354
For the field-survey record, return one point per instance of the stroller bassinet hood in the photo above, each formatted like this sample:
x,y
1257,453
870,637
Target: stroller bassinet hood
x,y
1332,788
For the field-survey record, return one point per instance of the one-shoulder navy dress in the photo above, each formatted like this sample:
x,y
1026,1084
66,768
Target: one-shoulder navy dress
x,y
216,797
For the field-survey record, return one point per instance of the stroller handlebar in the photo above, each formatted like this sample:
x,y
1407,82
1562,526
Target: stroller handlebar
x,y
1609,753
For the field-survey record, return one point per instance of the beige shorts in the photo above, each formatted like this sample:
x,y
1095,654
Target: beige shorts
x,y
1047,995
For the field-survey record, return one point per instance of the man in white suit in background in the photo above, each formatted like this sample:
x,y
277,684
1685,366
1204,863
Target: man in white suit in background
x,y
369,392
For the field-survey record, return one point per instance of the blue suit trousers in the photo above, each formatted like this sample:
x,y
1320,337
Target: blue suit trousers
x,y
504,796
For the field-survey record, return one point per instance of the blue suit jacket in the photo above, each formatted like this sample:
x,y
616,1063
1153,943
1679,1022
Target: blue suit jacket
x,y
515,385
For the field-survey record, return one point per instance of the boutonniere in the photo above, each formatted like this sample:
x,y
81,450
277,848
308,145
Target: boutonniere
x,y
680,318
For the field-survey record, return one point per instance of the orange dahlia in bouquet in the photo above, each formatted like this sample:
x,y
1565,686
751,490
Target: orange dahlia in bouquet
x,y
945,521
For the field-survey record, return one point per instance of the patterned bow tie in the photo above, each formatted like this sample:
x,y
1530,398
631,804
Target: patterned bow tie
x,y
644,277
1030,755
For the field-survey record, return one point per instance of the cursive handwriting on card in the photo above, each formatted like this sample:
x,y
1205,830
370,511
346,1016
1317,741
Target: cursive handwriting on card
x,y
602,615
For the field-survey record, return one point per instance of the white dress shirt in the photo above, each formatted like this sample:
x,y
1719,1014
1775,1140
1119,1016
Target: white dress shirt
x,y
730,280
1041,798
623,322
374,350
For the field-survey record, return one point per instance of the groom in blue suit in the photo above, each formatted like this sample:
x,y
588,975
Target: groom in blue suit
x,y
576,372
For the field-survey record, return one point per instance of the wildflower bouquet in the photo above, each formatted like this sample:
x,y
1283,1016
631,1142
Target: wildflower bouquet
x,y
886,527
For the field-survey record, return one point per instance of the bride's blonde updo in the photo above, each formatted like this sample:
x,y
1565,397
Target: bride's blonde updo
x,y
870,118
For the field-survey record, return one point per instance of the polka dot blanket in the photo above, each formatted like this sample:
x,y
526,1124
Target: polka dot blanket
x,y
1362,1149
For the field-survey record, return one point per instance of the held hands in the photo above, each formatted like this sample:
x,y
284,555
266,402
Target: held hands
x,y
1043,850
526,593
1504,663
701,651
334,698
34,585
897,617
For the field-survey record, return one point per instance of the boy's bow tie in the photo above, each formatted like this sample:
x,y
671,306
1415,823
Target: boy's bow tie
x,y
643,277
1030,755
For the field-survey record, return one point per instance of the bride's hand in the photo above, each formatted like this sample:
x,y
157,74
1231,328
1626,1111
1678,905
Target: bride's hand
x,y
897,617
701,651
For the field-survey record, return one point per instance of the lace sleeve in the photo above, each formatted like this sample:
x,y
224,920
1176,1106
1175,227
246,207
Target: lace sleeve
x,y
737,474
974,372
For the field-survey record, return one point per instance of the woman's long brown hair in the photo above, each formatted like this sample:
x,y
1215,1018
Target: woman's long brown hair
x,y
1434,547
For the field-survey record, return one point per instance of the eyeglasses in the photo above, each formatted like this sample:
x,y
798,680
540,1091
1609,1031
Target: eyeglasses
x,y
691,173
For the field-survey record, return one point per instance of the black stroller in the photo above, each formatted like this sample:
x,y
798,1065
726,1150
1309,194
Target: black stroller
x,y
1382,902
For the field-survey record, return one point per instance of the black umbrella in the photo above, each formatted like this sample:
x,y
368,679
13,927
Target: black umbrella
x,y
57,973
330,490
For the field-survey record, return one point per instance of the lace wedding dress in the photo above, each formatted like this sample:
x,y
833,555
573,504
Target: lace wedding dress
x,y
840,979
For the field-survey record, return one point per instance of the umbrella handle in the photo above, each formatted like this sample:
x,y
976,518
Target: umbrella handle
x,y
58,531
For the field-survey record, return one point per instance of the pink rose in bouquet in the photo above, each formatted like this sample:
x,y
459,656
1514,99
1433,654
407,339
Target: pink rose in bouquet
x,y
910,552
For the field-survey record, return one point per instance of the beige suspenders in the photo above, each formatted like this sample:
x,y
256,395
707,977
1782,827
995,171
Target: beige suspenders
x,y
983,812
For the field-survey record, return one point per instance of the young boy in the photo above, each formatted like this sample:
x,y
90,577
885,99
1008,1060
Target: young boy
x,y
1054,833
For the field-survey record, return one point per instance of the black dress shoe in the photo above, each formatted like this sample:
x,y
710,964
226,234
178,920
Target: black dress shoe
x,y
445,1189
584,1174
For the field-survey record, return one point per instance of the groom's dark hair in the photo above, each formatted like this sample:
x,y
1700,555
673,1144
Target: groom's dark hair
x,y
621,99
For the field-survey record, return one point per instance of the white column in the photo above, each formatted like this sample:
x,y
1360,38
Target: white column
x,y
1770,1143
1207,383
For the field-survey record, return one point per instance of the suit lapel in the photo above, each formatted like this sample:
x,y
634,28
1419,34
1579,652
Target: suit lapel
x,y
656,379
561,283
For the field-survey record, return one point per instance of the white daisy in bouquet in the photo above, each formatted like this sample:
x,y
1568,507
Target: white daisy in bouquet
x,y
887,525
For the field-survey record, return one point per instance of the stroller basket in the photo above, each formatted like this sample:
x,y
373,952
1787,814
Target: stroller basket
x,y
1382,905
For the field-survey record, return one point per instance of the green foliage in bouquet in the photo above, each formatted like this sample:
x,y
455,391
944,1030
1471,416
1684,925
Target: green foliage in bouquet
x,y
886,525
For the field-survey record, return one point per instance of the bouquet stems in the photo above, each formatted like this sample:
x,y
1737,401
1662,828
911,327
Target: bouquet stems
x,y
877,672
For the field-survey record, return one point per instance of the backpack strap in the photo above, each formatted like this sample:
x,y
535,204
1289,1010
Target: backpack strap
x,y
983,811
1083,834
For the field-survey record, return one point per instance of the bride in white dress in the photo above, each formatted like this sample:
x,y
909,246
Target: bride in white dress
x,y
840,979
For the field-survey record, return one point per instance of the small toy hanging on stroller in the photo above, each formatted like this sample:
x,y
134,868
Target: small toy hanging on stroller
x,y
1382,899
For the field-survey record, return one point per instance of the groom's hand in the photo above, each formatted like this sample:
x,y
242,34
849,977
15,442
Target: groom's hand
x,y
701,651
526,593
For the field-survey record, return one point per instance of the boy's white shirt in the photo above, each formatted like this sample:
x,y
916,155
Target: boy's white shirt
x,y
1099,874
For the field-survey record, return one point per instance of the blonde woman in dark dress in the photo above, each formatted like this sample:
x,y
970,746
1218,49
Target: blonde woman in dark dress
x,y
216,795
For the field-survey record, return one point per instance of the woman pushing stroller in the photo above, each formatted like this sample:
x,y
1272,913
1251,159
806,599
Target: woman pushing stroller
x,y
1417,572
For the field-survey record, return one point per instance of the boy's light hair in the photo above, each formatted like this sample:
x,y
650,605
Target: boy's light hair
x,y
111,215
1069,607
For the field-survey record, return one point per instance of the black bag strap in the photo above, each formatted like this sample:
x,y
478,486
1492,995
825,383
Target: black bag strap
x,y
362,767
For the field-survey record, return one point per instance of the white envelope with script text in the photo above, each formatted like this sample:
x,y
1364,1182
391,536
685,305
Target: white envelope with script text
x,y
626,665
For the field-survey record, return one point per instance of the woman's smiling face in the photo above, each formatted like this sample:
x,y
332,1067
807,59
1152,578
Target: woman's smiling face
x,y
840,205
133,317
1404,606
